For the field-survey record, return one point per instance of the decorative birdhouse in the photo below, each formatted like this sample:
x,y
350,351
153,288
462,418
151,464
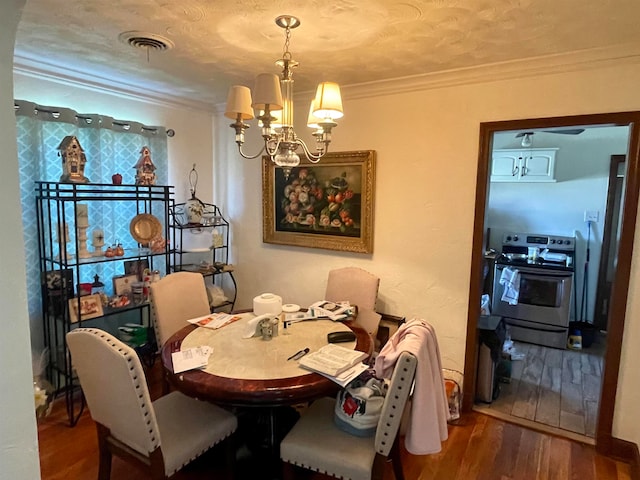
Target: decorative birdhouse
x,y
145,168
73,160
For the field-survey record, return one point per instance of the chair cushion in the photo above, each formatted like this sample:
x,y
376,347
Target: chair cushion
x,y
317,444
189,427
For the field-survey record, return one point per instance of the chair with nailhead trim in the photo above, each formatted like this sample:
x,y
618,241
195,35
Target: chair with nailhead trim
x,y
175,299
316,443
354,284
162,436
359,288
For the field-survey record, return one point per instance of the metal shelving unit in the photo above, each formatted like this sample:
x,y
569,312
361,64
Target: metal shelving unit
x,y
60,240
216,268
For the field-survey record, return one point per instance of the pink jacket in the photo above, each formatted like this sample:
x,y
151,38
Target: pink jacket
x,y
427,427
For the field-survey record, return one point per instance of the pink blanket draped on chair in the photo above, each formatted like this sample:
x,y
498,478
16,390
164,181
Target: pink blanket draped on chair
x,y
427,427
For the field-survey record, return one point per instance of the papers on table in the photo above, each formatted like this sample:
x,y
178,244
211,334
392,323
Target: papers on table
x,y
196,357
346,377
334,311
332,360
215,320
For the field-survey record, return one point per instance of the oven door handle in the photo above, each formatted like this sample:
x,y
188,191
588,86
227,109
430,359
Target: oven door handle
x,y
535,271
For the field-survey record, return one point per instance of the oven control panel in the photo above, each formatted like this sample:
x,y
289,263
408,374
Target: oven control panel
x,y
553,242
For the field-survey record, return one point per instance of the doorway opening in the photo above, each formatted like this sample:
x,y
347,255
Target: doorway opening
x,y
619,286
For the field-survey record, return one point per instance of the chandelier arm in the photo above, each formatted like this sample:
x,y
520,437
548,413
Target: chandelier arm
x,y
310,156
272,151
249,157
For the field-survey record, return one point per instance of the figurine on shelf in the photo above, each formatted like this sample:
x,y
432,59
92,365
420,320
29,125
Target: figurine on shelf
x,y
119,251
157,244
145,168
97,287
73,160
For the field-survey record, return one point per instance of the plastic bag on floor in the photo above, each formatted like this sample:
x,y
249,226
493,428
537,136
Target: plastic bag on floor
x,y
485,303
453,387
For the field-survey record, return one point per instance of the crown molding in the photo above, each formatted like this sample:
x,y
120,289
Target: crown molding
x,y
36,68
529,67
522,68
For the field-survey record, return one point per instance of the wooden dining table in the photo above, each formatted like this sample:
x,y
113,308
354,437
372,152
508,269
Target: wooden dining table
x,y
252,372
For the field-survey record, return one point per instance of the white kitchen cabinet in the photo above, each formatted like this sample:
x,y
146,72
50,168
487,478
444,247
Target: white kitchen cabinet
x,y
524,165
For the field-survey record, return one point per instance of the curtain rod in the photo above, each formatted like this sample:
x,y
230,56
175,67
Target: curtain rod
x,y
57,112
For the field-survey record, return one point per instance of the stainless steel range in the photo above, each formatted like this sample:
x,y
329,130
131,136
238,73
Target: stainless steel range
x,y
533,287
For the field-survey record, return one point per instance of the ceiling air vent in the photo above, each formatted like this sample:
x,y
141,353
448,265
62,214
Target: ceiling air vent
x,y
146,40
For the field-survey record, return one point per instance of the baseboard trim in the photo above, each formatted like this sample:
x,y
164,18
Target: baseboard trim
x,y
625,451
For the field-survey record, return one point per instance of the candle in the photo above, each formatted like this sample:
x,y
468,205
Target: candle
x,y
98,237
82,215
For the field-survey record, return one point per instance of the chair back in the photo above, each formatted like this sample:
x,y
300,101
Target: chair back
x,y
175,299
115,387
395,401
354,284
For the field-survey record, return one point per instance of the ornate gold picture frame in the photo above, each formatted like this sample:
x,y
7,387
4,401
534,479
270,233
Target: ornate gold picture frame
x,y
327,205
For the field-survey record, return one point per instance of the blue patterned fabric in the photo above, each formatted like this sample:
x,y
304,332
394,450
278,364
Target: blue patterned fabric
x,y
111,146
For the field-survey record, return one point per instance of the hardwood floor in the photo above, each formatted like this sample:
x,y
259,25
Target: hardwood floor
x,y
479,447
552,387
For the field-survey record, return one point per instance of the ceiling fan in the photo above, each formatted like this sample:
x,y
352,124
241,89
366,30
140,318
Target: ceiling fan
x,y
527,136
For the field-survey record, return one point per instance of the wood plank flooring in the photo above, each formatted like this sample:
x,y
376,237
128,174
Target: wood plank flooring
x,y
479,448
552,387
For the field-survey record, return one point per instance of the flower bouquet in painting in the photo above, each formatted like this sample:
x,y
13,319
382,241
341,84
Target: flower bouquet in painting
x,y
318,199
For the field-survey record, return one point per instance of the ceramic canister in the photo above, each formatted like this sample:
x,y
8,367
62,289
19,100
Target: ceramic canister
x,y
267,303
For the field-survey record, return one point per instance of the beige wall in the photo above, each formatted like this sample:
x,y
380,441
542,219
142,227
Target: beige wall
x,y
427,146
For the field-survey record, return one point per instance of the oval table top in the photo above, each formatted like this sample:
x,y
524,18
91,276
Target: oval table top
x,y
255,372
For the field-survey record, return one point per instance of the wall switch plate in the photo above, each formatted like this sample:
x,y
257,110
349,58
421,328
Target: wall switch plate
x,y
591,215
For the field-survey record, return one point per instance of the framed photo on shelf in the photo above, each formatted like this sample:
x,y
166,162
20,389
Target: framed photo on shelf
x,y
90,307
122,283
136,267
326,205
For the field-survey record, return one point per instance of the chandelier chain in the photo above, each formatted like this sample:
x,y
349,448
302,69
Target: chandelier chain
x,y
286,54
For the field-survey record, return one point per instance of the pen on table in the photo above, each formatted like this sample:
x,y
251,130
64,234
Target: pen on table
x,y
299,354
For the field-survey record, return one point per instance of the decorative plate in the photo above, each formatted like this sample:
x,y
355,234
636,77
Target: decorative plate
x,y
144,228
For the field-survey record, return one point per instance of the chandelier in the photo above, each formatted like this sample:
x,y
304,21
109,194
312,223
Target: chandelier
x,y
273,105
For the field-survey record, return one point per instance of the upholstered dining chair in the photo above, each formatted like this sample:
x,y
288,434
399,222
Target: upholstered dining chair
x,y
316,443
163,435
360,288
175,299
354,284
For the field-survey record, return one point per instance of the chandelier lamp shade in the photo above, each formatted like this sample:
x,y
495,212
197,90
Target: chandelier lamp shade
x,y
271,102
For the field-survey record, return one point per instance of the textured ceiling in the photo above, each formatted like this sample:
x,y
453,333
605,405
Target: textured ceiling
x,y
223,42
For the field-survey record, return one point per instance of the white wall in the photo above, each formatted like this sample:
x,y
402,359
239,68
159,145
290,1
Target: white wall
x,y
426,173
19,444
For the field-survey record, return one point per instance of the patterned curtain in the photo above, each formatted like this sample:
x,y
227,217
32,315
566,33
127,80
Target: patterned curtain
x,y
111,146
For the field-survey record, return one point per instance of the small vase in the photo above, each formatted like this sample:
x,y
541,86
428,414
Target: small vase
x,y
193,209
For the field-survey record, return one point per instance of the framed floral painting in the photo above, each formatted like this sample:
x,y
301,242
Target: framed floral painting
x,y
327,205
